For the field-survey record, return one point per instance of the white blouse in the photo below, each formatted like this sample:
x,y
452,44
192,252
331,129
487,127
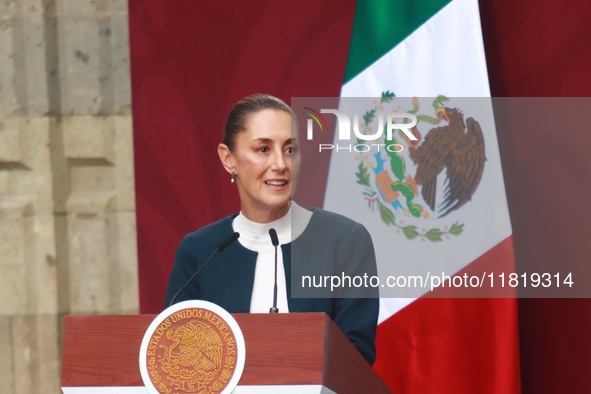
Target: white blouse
x,y
255,236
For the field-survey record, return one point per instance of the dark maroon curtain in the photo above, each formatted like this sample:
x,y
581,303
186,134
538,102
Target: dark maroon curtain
x,y
540,48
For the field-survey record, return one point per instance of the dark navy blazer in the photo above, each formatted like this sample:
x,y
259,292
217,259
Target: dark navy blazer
x,y
330,245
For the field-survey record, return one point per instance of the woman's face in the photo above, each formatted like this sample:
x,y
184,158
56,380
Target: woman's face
x,y
266,159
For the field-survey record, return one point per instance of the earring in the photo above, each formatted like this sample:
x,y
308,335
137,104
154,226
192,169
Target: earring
x,y
233,180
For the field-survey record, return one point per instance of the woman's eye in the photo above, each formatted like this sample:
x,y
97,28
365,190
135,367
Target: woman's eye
x,y
292,150
263,149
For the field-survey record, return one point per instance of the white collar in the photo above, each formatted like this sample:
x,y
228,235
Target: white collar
x,y
256,235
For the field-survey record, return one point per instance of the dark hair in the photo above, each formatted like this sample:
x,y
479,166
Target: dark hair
x,y
238,116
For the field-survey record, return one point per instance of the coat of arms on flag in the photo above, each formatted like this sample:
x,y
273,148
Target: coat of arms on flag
x,y
401,184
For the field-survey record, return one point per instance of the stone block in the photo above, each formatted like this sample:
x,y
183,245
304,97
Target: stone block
x,y
14,152
128,293
15,226
35,343
89,204
9,101
94,57
25,160
89,263
78,8
102,260
8,378
88,138
97,178
115,38
42,281
32,8
124,174
33,57
8,9
80,57
27,258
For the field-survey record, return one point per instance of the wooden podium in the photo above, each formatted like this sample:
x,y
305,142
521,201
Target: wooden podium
x,y
285,353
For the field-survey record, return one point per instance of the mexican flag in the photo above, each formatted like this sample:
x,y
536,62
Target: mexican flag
x,y
425,58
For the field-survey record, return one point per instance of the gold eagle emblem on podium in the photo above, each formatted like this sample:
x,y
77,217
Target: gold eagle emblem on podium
x,y
194,359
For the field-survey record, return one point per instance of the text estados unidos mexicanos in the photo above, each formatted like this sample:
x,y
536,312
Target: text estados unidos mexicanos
x,y
487,279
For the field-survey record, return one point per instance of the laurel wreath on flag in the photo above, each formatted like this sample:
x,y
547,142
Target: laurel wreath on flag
x,y
404,186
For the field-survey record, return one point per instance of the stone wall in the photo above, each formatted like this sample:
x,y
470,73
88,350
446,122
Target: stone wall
x,y
67,205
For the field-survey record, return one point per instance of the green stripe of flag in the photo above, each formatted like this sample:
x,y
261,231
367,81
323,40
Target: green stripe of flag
x,y
380,25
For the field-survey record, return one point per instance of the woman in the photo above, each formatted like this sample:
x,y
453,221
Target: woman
x,y
261,153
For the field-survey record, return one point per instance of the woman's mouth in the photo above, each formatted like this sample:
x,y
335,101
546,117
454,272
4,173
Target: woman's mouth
x,y
276,183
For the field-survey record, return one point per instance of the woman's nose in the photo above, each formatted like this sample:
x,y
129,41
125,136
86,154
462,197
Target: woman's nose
x,y
279,162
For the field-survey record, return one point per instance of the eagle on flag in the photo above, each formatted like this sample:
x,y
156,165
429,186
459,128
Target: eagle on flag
x,y
459,148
